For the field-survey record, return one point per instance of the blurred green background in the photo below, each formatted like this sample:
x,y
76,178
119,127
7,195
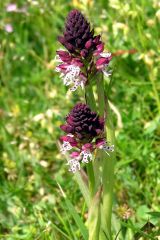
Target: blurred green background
x,y
34,102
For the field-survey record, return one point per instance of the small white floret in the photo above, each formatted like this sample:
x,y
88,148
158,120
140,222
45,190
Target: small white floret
x,y
66,146
86,156
74,165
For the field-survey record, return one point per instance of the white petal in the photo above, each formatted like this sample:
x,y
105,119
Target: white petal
x,y
87,156
105,54
74,165
66,146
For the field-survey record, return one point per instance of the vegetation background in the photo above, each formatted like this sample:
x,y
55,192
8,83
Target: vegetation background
x,y
34,102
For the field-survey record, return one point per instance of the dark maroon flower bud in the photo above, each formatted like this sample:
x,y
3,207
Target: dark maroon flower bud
x,y
77,62
77,32
84,53
100,142
84,124
89,44
99,49
66,128
102,62
97,40
87,146
64,56
69,139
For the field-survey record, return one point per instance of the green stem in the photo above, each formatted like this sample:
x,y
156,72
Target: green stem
x,y
107,163
108,175
90,100
91,178
92,104
100,92
98,164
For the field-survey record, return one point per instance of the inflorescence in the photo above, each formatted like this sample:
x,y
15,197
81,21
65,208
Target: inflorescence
x,y
85,134
85,52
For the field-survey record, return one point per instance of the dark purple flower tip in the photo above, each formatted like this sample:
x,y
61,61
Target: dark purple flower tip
x,y
77,32
83,123
73,13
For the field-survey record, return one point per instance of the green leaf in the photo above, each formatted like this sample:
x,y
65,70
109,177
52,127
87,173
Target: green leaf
x,y
142,212
154,214
137,230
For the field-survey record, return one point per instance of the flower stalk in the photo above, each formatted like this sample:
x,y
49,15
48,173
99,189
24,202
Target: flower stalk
x,y
108,160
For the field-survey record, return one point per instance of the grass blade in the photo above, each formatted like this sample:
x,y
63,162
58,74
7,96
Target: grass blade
x,y
83,187
75,215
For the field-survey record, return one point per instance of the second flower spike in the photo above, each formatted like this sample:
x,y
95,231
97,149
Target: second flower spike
x,y
85,133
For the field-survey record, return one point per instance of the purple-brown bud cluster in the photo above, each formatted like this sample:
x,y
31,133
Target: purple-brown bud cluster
x,y
84,124
77,37
85,133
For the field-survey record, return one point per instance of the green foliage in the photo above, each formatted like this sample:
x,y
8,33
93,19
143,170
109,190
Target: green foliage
x,y
34,102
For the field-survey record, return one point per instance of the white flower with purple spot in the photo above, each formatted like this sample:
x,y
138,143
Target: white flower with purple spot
x,y
66,146
105,54
102,144
68,143
70,69
74,165
86,156
103,62
108,148
86,153
72,76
